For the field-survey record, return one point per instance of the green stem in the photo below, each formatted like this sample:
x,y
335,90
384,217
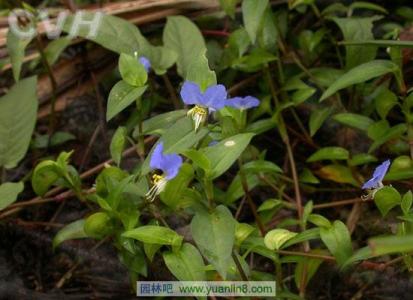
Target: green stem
x,y
209,191
171,91
141,138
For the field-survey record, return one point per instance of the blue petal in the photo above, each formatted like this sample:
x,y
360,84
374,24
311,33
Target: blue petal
x,y
371,183
243,103
145,62
191,93
157,157
171,165
381,170
215,97
378,176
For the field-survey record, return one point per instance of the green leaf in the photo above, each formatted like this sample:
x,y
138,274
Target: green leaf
x,y
238,42
256,60
307,176
186,264
367,5
132,71
178,138
229,7
319,220
9,192
118,144
159,123
337,173
121,96
252,14
262,166
97,225
242,231
317,119
58,138
225,153
380,43
113,33
359,255
183,37
175,188
338,241
200,73
216,246
391,244
357,29
152,234
330,153
309,234
44,176
16,47
18,114
161,58
361,73
407,201
354,120
384,102
275,238
71,231
386,198
391,133
361,159
306,268
236,190
268,36
302,95
55,48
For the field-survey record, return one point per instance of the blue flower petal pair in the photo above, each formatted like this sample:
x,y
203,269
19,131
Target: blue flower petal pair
x,y
376,181
214,98
169,164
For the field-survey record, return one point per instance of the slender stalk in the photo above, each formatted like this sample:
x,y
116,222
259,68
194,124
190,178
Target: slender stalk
x,y
251,203
239,267
209,191
52,116
141,138
171,91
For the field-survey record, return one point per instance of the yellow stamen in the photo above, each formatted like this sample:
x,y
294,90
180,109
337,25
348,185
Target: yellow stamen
x,y
156,178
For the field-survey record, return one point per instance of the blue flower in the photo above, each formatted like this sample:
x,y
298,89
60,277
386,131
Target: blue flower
x,y
376,181
169,164
213,99
145,62
243,102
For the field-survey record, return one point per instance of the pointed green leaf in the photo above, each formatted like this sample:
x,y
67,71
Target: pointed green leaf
x,y
18,114
186,264
361,73
71,231
9,192
216,246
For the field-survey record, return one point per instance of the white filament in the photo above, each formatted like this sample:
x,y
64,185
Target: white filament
x,y
156,189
